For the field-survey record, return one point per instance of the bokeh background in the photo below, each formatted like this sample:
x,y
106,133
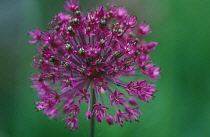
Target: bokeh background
x,y
182,105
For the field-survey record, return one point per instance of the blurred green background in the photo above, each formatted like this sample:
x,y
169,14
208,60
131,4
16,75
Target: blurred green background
x,y
182,105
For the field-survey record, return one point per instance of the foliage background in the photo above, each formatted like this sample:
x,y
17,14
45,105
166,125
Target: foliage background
x,y
182,106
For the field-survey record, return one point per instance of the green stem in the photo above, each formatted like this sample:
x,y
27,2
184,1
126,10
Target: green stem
x,y
92,122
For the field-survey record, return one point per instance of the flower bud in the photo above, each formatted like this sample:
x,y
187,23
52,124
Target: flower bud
x,y
88,115
109,120
132,101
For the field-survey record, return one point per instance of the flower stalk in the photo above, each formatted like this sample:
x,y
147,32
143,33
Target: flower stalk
x,y
92,122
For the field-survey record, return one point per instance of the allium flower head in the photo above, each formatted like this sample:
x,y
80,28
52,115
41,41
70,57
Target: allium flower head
x,y
82,58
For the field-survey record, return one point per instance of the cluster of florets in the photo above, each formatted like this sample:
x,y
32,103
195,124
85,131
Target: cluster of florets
x,y
81,59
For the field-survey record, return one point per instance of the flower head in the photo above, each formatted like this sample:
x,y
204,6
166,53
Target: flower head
x,y
82,58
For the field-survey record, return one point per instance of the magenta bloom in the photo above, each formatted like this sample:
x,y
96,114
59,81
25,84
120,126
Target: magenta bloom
x,y
117,99
144,29
36,34
73,121
83,95
81,59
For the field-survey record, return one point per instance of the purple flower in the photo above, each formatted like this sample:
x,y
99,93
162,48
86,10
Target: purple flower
x,y
100,84
99,111
82,58
71,5
141,89
68,83
48,38
36,34
73,121
144,29
72,110
130,21
132,113
119,117
151,71
117,99
83,95
121,13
